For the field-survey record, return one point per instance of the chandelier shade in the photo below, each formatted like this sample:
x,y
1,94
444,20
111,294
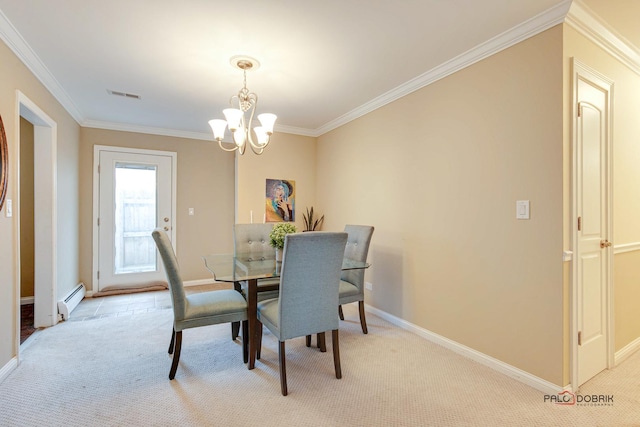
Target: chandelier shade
x,y
242,130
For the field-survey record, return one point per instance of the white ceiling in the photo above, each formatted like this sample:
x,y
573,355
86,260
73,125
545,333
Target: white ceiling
x,y
322,63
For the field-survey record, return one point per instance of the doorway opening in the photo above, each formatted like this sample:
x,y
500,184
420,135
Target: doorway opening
x,y
42,195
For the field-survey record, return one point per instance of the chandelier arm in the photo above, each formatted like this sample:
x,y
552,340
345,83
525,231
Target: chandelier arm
x,y
225,148
258,151
253,98
260,147
255,147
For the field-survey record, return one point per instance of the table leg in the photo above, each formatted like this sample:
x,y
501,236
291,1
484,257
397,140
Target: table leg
x,y
252,318
235,326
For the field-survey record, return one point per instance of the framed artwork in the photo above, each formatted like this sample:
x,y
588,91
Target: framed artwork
x,y
280,200
4,164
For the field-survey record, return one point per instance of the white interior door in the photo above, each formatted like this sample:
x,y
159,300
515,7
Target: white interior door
x,y
136,195
593,249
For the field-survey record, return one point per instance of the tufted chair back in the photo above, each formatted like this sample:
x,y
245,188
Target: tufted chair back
x,y
357,249
253,239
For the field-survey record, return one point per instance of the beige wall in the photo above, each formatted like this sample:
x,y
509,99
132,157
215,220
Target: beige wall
x,y
26,209
205,182
15,76
291,157
438,173
626,177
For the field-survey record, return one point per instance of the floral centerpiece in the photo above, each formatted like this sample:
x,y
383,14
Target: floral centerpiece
x,y
276,237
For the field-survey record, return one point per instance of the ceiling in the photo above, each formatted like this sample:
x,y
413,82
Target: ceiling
x,y
322,63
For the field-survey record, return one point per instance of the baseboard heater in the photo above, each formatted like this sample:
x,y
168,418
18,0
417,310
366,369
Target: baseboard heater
x,y
71,300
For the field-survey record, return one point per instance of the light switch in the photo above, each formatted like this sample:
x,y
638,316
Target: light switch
x,y
8,212
522,209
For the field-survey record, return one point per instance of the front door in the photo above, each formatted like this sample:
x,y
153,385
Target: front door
x,y
593,228
136,195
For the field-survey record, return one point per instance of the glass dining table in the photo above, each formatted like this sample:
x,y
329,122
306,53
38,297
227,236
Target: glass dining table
x,y
246,270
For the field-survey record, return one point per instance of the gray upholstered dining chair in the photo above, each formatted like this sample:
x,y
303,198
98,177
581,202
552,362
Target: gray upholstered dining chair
x,y
198,309
308,294
352,281
253,239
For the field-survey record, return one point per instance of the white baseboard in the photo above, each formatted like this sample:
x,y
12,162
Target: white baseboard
x,y
26,300
495,364
626,351
8,368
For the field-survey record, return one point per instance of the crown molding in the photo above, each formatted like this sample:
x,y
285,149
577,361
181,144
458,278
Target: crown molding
x,y
23,51
587,23
523,31
124,127
296,130
206,136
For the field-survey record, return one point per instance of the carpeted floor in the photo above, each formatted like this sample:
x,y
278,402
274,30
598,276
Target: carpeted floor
x,y
113,372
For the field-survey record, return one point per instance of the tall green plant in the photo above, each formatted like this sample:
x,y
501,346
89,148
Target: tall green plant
x,y
311,223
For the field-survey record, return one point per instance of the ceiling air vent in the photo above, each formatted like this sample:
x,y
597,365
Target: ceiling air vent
x,y
124,94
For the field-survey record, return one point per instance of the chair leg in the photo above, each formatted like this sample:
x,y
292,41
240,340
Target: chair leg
x,y
283,369
322,343
173,337
176,355
235,330
340,312
308,340
336,353
363,320
245,341
259,340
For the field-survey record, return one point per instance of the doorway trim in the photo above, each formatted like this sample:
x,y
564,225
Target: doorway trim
x,y
45,215
580,71
96,199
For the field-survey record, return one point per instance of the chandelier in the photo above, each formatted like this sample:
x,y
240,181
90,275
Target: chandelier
x,y
241,128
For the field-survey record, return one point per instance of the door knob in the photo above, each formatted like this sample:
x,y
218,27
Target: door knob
x,y
605,243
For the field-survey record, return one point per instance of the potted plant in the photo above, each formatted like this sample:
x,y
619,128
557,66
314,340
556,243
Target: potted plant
x,y
276,237
311,223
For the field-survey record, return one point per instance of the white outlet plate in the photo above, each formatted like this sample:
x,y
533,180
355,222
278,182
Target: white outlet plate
x,y
368,286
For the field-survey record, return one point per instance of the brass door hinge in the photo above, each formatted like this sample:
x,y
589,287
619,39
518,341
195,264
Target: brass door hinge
x,y
579,337
579,223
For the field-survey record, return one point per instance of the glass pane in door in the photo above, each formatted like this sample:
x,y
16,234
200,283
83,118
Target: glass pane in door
x,y
135,218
